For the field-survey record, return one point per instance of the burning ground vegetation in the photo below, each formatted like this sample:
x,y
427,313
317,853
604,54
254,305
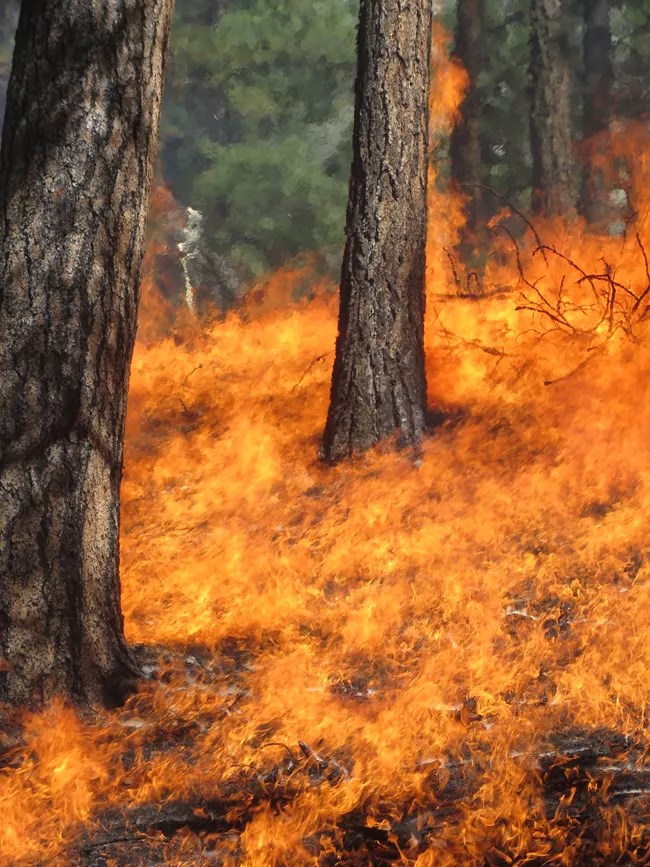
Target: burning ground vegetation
x,y
433,657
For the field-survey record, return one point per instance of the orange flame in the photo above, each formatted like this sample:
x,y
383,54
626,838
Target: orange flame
x,y
420,623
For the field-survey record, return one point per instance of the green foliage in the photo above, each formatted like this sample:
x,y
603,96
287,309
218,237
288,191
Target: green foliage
x,y
631,35
257,124
504,87
257,117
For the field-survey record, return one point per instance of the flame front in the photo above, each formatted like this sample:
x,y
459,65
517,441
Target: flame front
x,y
426,625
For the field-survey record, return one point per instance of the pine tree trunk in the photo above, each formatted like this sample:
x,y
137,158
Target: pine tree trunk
x,y
75,170
465,146
598,85
554,176
378,383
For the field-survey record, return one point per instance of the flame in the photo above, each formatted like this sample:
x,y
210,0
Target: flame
x,y
425,625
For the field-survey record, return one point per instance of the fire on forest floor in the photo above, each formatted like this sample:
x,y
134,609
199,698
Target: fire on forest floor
x,y
458,637
432,658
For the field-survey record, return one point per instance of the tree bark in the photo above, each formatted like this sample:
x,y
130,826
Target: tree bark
x,y
75,171
554,176
378,383
465,145
598,86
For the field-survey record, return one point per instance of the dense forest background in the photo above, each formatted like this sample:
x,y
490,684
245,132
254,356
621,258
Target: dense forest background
x,y
257,116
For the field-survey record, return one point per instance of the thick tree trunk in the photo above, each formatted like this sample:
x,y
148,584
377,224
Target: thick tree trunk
x,y
378,384
554,175
598,85
465,149
75,170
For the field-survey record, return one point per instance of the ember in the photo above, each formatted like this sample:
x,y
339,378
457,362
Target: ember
x,y
435,656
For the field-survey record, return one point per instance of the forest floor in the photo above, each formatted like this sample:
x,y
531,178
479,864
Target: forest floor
x,y
436,657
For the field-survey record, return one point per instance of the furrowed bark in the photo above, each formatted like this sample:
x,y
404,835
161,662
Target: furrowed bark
x,y
378,383
75,169
465,145
554,175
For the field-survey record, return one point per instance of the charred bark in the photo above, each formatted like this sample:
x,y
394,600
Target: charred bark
x,y
378,383
465,146
75,171
554,177
598,86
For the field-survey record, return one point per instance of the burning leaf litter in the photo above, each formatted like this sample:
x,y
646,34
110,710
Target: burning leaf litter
x,y
437,659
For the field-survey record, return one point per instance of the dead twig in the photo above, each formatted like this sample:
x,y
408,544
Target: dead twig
x,y
646,291
198,367
545,247
512,207
310,367
577,369
454,271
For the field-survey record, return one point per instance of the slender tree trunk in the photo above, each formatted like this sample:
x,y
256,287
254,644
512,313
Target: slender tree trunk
x,y
598,85
465,150
378,383
75,171
554,175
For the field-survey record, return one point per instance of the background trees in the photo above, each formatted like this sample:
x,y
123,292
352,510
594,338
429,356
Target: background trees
x,y
597,107
257,121
466,145
630,21
554,172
